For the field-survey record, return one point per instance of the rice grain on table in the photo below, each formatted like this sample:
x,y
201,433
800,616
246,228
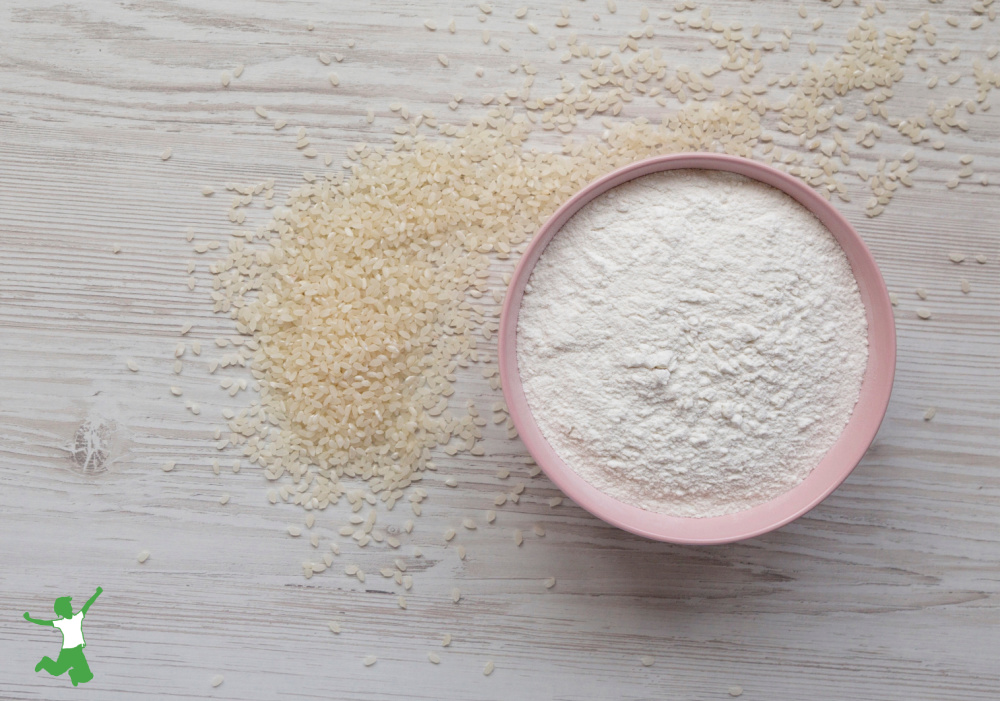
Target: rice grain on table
x,y
358,298
403,341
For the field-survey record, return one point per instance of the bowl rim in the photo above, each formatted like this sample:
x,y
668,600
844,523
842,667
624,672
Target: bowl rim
x,y
838,462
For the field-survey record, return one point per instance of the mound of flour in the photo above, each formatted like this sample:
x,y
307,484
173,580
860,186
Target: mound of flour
x,y
692,342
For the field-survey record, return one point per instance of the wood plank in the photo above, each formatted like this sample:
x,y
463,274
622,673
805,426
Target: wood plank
x,y
889,589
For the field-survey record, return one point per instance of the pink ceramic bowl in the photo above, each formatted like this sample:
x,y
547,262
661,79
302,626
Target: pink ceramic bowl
x,y
836,465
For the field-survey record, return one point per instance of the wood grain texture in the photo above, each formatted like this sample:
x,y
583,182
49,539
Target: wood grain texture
x,y
888,590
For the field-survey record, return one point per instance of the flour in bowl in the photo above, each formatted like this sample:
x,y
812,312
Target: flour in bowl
x,y
692,342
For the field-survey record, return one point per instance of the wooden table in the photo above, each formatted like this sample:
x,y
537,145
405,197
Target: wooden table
x,y
887,590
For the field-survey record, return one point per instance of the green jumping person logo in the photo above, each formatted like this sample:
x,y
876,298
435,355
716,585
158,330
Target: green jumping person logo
x,y
70,624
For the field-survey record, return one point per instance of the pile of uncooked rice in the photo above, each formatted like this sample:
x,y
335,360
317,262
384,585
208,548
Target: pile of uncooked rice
x,y
368,293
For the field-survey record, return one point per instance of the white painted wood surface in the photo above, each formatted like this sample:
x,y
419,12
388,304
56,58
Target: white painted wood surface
x,y
887,590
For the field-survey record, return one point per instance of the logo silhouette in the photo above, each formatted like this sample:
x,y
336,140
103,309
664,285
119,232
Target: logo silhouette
x,y
70,624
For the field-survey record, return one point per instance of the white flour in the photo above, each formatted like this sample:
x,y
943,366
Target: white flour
x,y
692,342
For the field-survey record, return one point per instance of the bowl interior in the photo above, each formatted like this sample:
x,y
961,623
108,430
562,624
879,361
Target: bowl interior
x,y
838,462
